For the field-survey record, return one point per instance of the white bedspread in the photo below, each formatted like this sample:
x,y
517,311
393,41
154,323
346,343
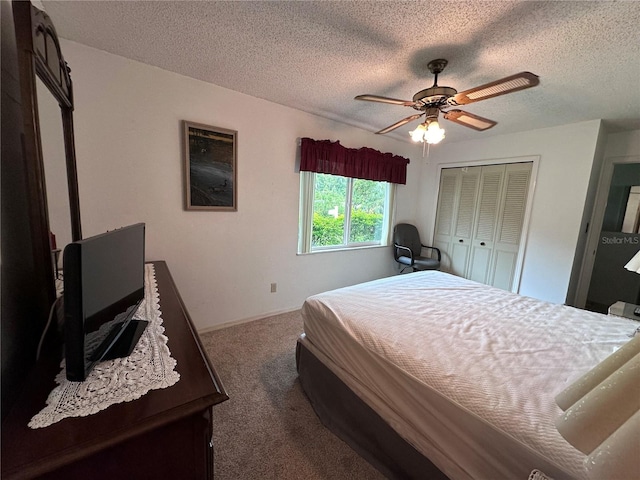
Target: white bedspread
x,y
465,372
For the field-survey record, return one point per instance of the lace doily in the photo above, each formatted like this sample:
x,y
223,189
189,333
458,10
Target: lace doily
x,y
538,475
150,366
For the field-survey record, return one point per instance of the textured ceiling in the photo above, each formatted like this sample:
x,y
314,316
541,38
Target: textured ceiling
x,y
317,55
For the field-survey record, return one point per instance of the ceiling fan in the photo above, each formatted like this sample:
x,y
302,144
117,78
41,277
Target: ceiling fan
x,y
435,99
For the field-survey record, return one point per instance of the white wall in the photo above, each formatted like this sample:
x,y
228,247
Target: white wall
x,y
579,269
566,156
623,144
128,140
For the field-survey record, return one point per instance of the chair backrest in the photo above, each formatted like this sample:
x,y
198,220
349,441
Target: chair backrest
x,y
407,235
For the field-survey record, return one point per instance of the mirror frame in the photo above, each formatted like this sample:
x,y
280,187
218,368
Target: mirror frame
x,y
39,54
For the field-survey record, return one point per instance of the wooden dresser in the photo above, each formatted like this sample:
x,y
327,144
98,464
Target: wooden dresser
x,y
164,434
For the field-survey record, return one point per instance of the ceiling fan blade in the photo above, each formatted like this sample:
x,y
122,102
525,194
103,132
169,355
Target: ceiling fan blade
x,y
469,120
516,82
393,101
400,123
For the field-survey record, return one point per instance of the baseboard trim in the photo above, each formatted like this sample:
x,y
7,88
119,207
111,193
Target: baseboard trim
x,y
245,320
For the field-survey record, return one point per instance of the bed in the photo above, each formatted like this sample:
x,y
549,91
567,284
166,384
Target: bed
x,y
428,375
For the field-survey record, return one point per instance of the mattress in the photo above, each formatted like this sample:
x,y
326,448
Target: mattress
x,y
464,372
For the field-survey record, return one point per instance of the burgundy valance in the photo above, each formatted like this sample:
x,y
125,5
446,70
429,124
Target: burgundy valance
x,y
325,156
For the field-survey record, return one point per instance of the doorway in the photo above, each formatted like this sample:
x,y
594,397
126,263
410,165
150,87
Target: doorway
x,y
618,240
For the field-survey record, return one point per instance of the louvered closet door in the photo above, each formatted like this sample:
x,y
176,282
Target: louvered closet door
x,y
445,215
484,228
455,216
510,224
479,220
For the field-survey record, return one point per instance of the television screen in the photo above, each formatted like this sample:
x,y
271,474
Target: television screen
x,y
103,287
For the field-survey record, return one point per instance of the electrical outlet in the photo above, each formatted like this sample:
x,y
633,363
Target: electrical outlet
x,y
274,287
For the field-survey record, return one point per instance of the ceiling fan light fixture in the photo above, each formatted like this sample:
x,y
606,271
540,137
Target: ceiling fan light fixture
x,y
418,134
428,132
434,133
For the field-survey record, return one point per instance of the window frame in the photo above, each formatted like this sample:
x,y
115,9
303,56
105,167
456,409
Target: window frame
x,y
305,224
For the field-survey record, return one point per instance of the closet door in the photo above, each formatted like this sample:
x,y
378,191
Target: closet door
x,y
455,216
445,215
479,220
484,229
510,224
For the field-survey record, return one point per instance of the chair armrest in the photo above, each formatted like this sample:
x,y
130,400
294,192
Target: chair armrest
x,y
401,247
437,250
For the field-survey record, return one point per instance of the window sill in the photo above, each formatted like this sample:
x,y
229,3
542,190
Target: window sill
x,y
343,249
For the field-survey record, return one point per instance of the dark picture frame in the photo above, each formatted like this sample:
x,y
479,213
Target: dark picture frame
x,y
210,167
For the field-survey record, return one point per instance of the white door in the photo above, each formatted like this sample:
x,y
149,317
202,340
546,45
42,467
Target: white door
x,y
455,216
510,223
484,228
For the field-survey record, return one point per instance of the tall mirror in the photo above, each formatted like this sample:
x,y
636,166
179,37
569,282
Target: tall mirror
x,y
55,174
49,139
31,54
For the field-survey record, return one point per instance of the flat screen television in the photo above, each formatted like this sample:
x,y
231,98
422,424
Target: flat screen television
x,y
103,287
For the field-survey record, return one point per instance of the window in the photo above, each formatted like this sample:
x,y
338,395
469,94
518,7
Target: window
x,y
341,212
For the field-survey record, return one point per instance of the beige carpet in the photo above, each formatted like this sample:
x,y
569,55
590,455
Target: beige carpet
x,y
267,429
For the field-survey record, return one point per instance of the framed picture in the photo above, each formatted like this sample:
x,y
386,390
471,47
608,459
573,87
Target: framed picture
x,y
210,160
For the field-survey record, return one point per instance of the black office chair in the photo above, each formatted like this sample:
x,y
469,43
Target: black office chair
x,y
407,249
